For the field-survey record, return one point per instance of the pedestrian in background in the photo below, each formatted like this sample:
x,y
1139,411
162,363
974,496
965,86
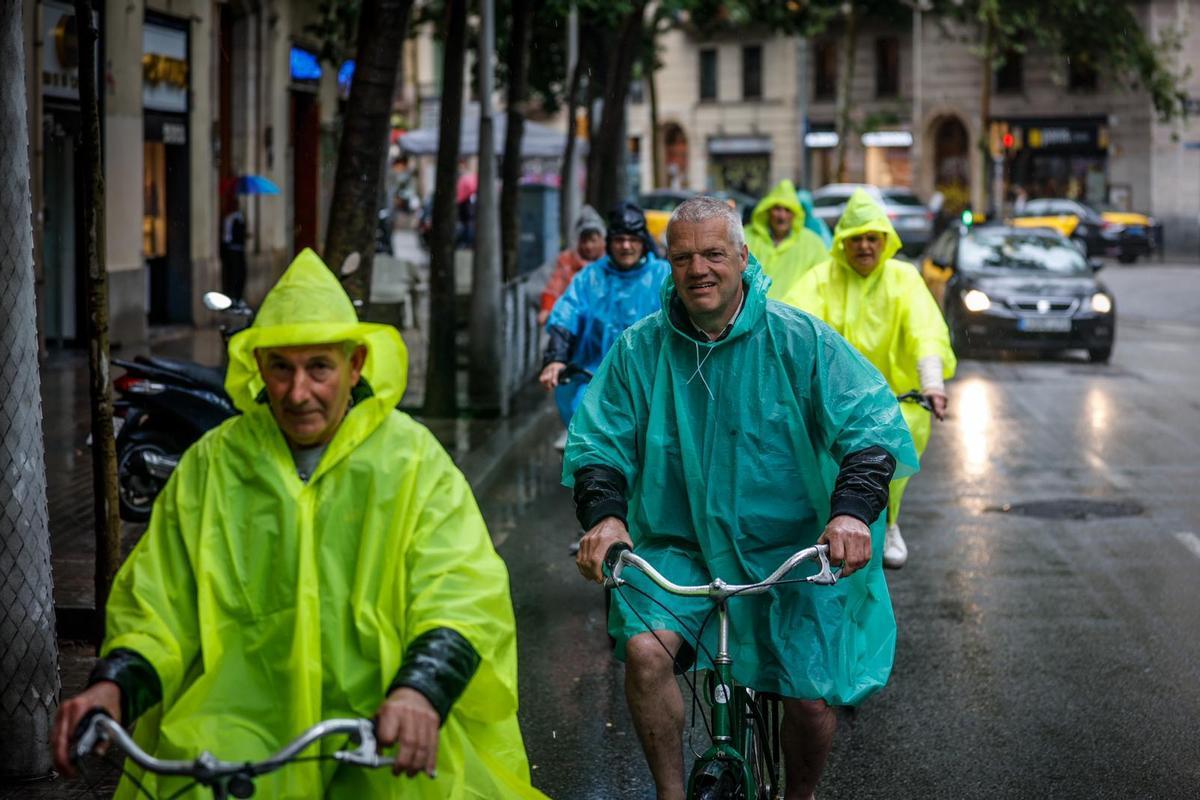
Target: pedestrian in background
x,y
233,252
883,308
784,247
589,245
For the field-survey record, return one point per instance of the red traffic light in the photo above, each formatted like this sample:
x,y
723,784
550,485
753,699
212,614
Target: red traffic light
x,y
1008,140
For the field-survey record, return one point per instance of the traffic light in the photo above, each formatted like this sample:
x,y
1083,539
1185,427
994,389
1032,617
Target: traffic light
x,y
1008,140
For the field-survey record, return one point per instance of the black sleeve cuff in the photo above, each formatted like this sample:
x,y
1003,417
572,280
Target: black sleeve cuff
x,y
861,490
599,493
558,348
139,683
439,664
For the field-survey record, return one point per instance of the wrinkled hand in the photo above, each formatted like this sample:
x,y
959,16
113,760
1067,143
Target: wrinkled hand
x,y
105,695
849,543
409,721
940,402
549,377
593,547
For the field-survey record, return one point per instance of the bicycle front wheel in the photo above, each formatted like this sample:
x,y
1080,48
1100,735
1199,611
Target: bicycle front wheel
x,y
761,745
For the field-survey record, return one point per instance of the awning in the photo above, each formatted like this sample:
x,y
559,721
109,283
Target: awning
x,y
887,139
738,145
539,141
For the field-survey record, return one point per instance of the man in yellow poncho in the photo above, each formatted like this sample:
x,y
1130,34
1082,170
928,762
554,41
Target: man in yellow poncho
x,y
778,239
318,556
883,308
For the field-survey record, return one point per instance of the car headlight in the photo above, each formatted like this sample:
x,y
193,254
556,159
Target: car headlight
x,y
1101,303
976,300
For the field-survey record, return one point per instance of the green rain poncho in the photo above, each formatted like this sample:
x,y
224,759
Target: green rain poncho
x,y
730,450
889,316
786,262
266,604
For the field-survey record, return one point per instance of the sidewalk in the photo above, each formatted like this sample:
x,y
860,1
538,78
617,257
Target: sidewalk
x,y
477,445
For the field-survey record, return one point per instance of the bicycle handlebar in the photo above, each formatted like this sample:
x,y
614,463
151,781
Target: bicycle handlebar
x,y
620,555
916,397
97,727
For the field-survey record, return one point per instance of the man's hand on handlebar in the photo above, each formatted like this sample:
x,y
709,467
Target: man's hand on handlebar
x,y
593,547
105,695
939,402
849,541
408,720
549,377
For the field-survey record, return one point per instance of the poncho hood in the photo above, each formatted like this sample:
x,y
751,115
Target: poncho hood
x,y
863,215
308,306
755,285
784,194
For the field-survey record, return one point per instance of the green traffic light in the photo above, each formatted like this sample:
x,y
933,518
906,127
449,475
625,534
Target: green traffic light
x,y
967,217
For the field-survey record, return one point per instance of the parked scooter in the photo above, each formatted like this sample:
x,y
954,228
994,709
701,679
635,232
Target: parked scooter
x,y
163,406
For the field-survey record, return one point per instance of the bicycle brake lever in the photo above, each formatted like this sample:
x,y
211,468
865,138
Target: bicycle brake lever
x,y
367,752
826,576
87,734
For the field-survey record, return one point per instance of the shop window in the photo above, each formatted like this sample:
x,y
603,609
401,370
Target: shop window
x,y
154,200
887,66
1081,75
825,70
1010,78
752,72
708,74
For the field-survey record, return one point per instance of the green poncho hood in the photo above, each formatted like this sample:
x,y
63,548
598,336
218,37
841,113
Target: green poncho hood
x,y
308,306
863,215
784,263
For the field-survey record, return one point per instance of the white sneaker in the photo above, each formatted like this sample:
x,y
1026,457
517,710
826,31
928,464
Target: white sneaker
x,y
560,444
895,551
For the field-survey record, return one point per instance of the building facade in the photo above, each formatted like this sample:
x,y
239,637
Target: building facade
x,y
745,109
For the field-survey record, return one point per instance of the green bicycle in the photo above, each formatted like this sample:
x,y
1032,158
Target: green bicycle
x,y
743,760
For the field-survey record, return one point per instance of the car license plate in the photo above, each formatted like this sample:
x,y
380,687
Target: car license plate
x,y
1044,324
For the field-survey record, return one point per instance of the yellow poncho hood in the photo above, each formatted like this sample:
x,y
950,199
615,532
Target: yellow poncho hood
x,y
784,263
308,306
863,215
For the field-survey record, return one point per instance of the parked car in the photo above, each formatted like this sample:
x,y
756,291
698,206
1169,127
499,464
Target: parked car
x,y
1008,288
1110,233
659,203
912,218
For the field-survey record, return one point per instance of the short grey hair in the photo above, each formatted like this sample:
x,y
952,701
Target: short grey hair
x,y
702,209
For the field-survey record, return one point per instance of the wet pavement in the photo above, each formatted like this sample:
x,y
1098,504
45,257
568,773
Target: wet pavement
x,y
1047,616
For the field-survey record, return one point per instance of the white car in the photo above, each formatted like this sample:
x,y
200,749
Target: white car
x,y
912,219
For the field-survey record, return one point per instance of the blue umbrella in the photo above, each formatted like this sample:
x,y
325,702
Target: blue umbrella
x,y
255,184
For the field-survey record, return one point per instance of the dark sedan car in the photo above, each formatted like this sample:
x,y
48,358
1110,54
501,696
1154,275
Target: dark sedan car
x,y
1004,288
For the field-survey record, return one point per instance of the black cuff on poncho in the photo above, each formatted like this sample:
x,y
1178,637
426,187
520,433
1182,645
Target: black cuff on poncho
x,y
139,683
559,346
599,493
861,490
439,664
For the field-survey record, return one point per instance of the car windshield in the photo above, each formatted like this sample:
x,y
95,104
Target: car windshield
x,y
828,200
1013,250
903,199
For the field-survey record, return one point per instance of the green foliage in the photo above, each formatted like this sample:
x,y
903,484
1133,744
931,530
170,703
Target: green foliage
x,y
335,28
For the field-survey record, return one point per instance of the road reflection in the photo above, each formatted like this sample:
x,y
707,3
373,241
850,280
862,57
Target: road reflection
x,y
973,401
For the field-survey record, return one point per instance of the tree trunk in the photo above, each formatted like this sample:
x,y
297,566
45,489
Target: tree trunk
x,y
604,187
656,154
362,152
510,175
845,84
485,380
569,178
441,371
29,684
985,111
104,446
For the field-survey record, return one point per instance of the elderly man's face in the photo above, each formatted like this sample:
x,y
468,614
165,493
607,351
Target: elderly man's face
x,y
780,219
706,266
591,246
863,252
308,388
626,250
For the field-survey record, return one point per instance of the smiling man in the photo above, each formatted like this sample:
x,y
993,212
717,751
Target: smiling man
x,y
318,556
720,436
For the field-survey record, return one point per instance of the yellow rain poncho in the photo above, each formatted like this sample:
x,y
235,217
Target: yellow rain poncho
x,y
889,316
786,262
265,603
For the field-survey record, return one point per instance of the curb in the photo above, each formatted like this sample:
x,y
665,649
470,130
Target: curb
x,y
481,465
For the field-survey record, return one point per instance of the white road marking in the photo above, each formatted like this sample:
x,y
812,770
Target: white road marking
x,y
1191,541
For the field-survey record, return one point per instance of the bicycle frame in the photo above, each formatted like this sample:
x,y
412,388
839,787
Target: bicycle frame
x,y
726,725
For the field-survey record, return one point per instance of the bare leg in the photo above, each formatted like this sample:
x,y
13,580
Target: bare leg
x,y
656,705
806,736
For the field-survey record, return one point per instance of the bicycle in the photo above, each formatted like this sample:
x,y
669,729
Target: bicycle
x,y
230,778
916,397
743,760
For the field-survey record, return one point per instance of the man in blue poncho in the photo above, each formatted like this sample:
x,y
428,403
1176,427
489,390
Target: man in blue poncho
x,y
719,436
605,298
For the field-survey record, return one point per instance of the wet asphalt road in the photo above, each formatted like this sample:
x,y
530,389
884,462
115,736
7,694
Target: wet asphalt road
x,y
1037,657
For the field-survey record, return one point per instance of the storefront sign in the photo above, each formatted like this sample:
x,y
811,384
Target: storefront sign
x,y
1063,136
60,55
821,140
738,145
887,139
164,68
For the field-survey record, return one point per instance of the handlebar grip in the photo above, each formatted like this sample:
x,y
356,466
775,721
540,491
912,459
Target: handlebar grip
x,y
613,554
85,737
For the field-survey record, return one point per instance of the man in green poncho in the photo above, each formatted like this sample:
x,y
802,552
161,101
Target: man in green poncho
x,y
779,239
882,306
317,557
719,436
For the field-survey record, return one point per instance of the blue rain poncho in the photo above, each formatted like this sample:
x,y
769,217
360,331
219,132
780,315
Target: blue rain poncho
x,y
598,305
730,450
